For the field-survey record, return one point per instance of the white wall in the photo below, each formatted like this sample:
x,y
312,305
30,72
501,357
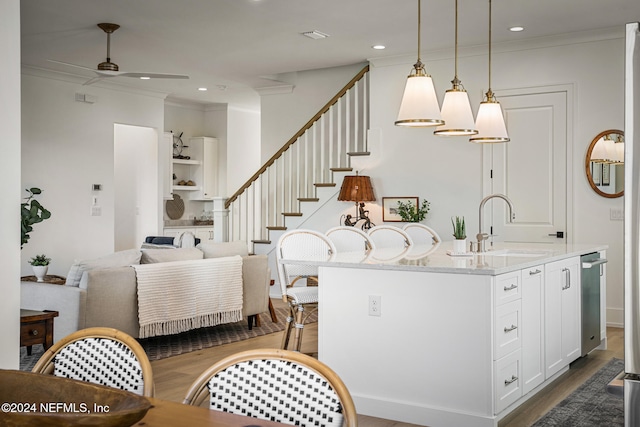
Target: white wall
x,y
243,148
66,147
10,187
446,171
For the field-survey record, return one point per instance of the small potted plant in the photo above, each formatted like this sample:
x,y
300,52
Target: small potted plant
x,y
460,235
40,265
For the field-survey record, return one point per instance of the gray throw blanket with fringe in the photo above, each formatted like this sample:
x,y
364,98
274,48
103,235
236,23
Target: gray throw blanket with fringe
x,y
178,296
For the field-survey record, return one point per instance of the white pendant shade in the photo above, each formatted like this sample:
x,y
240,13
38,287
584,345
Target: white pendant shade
x,y
419,107
599,153
490,124
618,152
457,115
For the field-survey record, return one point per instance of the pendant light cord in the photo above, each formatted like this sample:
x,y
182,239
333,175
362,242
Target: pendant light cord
x,y
489,92
419,66
455,78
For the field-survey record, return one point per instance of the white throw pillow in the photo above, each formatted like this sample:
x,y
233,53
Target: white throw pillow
x,y
151,256
117,259
217,250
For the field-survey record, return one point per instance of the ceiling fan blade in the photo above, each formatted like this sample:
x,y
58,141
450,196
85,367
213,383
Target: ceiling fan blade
x,y
72,65
93,80
153,75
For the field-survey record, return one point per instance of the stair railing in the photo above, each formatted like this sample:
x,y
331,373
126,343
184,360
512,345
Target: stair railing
x,y
307,161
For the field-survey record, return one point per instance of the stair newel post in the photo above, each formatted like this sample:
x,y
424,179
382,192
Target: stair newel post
x,y
220,220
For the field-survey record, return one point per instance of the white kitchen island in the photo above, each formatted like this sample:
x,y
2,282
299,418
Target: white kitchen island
x,y
455,341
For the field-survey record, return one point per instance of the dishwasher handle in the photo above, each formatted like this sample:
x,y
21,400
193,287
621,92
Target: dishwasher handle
x,y
594,263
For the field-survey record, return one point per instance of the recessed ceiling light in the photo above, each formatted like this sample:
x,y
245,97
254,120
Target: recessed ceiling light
x,y
315,34
203,89
378,46
516,29
145,78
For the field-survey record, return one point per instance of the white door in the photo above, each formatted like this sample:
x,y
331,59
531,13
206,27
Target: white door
x,y
532,169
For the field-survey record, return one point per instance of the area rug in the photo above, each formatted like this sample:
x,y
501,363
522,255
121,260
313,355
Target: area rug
x,y
172,345
589,405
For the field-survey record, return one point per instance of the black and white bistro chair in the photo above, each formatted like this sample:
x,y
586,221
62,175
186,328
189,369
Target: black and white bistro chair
x,y
300,245
277,385
392,243
103,356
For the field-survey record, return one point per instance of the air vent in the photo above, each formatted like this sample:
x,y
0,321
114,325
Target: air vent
x,y
315,34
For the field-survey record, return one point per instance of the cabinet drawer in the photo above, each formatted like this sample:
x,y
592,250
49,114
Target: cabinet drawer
x,y
507,332
507,288
507,381
33,333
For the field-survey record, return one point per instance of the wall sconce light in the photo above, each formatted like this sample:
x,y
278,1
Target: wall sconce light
x,y
357,189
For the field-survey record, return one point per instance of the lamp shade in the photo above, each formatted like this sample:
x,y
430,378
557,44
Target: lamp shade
x,y
419,107
618,152
599,153
356,188
490,123
457,115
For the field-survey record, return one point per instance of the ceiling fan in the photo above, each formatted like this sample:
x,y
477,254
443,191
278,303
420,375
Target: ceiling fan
x,y
109,69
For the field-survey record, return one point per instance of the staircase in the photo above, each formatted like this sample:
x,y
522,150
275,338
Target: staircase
x,y
304,173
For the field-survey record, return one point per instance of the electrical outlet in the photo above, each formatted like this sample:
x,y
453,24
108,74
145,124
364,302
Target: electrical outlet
x,y
96,211
616,214
375,305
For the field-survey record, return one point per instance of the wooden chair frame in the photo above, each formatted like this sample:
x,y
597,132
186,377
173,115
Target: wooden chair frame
x,y
46,363
198,392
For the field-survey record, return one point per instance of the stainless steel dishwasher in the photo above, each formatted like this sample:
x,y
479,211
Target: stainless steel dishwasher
x,y
590,306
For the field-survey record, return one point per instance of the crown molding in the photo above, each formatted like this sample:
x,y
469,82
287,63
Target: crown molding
x,y
275,90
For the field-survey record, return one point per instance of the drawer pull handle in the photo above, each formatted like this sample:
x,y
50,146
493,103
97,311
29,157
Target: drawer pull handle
x,y
510,287
536,271
34,332
567,278
512,380
512,328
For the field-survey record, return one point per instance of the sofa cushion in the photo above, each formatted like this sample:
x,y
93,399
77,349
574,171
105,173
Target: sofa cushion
x,y
217,250
151,256
117,259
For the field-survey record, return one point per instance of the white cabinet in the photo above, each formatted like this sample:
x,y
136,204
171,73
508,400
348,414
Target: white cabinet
x,y
562,314
603,301
166,167
204,234
533,371
206,173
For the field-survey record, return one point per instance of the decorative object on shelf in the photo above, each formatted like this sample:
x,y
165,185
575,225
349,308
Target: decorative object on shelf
x,y
31,212
604,163
410,212
456,108
490,120
178,146
357,189
49,278
175,207
391,207
40,265
419,106
460,235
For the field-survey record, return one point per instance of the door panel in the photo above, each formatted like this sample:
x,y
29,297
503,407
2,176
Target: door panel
x,y
531,169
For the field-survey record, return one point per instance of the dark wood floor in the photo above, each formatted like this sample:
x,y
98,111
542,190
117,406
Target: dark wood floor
x,y
174,375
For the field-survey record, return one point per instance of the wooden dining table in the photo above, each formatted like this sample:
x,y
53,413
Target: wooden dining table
x,y
164,413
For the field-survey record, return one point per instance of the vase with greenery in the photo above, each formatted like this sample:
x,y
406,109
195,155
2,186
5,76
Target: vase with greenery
x,y
412,213
40,265
459,234
31,212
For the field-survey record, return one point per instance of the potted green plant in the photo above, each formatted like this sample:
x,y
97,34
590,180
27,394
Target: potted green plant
x,y
31,212
40,265
460,235
412,213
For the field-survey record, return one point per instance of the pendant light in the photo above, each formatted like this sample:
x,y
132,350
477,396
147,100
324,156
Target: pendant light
x,y
419,107
490,120
456,108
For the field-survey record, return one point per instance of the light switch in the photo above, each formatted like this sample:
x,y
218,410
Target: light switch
x,y
616,214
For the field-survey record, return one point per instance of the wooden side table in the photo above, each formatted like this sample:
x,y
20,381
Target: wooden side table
x,y
36,327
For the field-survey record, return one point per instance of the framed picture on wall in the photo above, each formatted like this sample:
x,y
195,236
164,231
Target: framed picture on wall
x,y
596,172
606,174
390,207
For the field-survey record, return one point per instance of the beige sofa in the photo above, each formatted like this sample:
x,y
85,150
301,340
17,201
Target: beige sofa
x,y
106,293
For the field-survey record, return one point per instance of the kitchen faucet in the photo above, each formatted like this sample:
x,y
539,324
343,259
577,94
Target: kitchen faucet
x,y
484,236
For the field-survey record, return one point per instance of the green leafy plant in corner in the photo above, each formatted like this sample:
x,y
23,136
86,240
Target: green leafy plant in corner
x,y
40,260
459,230
409,213
31,212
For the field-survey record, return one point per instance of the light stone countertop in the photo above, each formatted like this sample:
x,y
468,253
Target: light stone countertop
x,y
492,262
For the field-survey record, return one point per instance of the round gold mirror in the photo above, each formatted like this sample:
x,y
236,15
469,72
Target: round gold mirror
x,y
604,163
